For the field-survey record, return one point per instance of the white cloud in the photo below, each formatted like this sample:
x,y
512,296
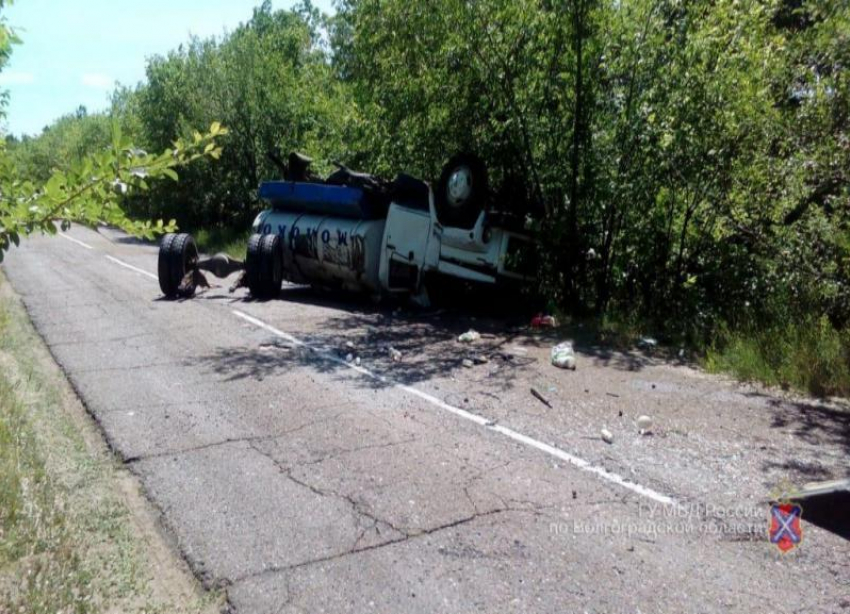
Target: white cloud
x,y
97,80
16,77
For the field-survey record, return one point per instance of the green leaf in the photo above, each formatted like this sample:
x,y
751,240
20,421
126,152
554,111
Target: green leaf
x,y
170,173
117,137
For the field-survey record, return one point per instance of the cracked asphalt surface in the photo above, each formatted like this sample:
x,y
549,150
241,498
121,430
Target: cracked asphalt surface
x,y
301,485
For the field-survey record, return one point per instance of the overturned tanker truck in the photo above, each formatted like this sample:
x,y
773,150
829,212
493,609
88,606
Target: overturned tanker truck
x,y
356,232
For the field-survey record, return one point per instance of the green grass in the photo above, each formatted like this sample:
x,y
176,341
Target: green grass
x,y
231,242
40,569
68,539
811,356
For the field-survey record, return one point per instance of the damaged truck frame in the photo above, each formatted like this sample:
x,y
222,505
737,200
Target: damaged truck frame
x,y
355,232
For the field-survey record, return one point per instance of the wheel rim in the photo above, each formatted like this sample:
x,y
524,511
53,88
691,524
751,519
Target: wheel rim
x,y
459,186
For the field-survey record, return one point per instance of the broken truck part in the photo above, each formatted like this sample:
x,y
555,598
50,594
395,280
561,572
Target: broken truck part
x,y
355,232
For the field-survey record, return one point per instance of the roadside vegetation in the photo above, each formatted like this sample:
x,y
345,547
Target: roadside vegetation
x,y
70,540
686,163
232,241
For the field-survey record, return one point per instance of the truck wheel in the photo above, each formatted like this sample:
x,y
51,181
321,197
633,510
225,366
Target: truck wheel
x,y
462,191
178,255
264,265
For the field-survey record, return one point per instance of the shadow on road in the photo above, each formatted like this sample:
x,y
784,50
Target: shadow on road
x,y
426,341
812,422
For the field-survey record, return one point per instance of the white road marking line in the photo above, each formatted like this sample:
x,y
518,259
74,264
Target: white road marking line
x,y
112,258
457,411
73,240
132,268
479,420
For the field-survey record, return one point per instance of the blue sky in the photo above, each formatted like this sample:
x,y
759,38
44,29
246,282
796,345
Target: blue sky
x,y
74,51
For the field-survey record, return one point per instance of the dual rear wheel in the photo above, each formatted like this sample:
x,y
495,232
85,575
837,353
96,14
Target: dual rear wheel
x,y
178,256
177,266
264,266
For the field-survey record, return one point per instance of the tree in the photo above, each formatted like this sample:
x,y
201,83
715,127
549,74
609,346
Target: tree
x,y
90,189
270,82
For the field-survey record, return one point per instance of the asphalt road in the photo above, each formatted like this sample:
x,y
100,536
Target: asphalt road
x,y
302,483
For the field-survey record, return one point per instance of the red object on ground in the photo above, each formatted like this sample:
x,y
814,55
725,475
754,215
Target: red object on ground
x,y
541,321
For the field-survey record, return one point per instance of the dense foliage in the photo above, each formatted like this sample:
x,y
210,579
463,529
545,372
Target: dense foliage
x,y
685,162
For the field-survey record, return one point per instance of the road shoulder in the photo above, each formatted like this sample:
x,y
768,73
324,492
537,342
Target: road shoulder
x,y
77,533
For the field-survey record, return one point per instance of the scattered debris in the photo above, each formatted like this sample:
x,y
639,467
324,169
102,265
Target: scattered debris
x,y
467,363
349,345
541,398
607,436
480,359
349,358
469,336
620,414
543,321
647,342
681,352
563,356
357,361
395,355
575,495
270,347
611,394
644,423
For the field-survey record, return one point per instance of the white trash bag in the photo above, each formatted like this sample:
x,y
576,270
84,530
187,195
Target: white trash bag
x,y
469,336
563,356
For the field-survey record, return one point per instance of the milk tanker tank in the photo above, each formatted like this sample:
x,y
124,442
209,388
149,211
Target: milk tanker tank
x,y
326,250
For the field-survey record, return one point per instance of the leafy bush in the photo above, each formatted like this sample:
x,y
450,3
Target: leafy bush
x,y
810,355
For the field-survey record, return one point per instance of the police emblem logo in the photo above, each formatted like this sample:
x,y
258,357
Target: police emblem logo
x,y
785,529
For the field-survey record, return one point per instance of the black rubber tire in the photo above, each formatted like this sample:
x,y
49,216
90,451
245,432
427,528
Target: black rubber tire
x,y
178,255
264,266
462,213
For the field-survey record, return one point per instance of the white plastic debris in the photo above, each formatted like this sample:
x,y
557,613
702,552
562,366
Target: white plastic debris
x,y
357,361
607,436
395,355
563,356
469,336
468,363
349,358
644,423
647,342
